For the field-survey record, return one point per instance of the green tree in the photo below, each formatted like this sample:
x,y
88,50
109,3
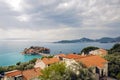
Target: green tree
x,y
55,71
88,49
114,64
114,49
59,71
33,61
18,63
51,56
84,72
118,76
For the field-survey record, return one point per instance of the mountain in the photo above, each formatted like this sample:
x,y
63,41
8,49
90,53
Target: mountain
x,y
76,40
106,40
117,39
101,40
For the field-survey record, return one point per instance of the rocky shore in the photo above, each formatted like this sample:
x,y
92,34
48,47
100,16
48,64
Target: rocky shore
x,y
36,50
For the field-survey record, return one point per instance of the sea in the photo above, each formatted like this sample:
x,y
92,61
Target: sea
x,y
10,50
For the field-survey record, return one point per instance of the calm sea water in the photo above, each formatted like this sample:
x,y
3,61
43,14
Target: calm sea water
x,y
10,51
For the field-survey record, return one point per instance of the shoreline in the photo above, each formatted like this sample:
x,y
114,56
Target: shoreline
x,y
43,54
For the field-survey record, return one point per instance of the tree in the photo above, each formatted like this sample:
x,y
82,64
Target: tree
x,y
51,56
114,64
18,63
118,76
84,72
55,71
115,49
59,71
114,61
33,61
88,49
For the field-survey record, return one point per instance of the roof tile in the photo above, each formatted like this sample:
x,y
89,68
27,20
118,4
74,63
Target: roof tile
x,y
93,61
50,60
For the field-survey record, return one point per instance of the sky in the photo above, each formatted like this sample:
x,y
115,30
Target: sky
x,y
54,20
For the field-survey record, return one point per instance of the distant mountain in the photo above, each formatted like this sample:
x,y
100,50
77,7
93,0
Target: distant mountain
x,y
76,40
101,40
106,40
117,39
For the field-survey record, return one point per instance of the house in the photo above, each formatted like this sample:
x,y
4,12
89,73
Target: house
x,y
13,75
31,73
100,52
69,60
100,64
60,55
22,75
71,64
46,62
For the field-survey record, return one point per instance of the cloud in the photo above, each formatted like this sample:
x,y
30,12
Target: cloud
x,y
67,18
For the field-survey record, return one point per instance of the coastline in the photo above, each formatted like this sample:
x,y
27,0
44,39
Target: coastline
x,y
13,53
43,54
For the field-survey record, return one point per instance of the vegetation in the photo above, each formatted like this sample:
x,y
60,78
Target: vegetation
x,y
58,71
81,72
51,56
113,58
88,49
114,64
114,61
19,66
55,72
115,49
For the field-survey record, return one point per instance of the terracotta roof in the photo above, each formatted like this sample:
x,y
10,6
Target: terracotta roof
x,y
13,73
74,56
31,73
27,74
50,60
61,55
90,61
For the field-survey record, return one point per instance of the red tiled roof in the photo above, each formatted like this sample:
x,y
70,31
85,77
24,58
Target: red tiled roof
x,y
90,61
31,73
26,74
74,56
13,73
61,55
50,60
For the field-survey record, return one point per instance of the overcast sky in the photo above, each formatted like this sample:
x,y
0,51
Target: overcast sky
x,y
52,20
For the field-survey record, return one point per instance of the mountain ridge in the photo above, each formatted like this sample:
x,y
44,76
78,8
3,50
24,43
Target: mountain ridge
x,y
84,39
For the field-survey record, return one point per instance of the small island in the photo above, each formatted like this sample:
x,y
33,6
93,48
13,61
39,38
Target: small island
x,y
35,50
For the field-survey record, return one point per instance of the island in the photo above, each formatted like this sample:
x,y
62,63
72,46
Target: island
x,y
35,50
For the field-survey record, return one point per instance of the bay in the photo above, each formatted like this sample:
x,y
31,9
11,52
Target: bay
x,y
10,51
